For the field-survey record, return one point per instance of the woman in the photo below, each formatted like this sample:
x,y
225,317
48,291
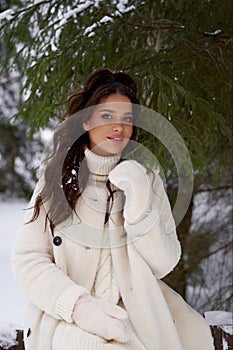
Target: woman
x,y
94,247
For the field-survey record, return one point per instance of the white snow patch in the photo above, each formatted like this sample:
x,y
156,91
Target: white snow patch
x,y
106,19
89,30
36,2
8,15
12,301
216,318
216,32
8,336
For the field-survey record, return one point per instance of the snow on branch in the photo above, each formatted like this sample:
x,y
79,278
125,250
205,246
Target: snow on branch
x,y
8,15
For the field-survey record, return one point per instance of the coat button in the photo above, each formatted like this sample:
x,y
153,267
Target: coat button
x,y
57,241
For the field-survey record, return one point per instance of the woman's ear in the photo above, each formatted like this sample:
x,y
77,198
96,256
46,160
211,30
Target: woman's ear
x,y
86,126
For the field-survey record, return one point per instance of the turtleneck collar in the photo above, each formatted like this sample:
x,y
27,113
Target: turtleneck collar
x,y
100,166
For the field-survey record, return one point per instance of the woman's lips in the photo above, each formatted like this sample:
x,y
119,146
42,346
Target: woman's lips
x,y
115,139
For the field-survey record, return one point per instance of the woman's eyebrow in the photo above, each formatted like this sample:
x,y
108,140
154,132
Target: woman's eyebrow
x,y
107,110
112,111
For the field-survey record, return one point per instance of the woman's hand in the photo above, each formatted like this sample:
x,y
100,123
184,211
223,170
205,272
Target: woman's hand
x,y
131,177
101,318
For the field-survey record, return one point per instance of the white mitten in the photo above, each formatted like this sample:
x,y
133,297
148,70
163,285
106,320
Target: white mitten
x,y
131,177
101,318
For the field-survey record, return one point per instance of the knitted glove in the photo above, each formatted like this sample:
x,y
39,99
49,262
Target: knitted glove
x,y
131,177
101,318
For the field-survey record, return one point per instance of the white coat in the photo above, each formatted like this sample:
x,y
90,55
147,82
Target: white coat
x,y
54,276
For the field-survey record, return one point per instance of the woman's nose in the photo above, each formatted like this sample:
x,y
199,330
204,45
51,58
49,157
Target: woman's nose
x,y
117,127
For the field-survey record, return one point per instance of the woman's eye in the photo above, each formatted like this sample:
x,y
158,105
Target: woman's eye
x,y
106,116
128,120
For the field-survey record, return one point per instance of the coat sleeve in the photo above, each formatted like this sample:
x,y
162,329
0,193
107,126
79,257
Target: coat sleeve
x,y
154,237
45,285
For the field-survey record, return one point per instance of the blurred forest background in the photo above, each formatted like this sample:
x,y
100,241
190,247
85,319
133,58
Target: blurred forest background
x,y
180,54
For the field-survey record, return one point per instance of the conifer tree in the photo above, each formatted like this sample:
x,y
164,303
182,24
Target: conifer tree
x,y
180,54
17,150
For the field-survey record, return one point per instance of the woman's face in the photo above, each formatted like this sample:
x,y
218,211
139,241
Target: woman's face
x,y
111,125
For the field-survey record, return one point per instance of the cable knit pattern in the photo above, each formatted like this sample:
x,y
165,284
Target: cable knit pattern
x,y
105,286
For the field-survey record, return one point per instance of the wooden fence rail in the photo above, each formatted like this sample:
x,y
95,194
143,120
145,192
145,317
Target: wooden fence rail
x,y
223,338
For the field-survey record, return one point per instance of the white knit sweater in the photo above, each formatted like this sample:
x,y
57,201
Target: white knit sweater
x,y
105,285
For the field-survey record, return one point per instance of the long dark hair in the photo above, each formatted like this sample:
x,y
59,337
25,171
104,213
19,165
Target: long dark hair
x,y
64,182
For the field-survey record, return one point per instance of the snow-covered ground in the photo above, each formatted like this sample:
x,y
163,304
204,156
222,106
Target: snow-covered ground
x,y
12,301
